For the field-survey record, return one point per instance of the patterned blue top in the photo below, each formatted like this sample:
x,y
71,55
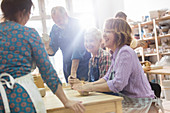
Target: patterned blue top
x,y
19,47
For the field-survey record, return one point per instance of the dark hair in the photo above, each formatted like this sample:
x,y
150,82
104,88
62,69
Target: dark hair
x,y
121,29
10,8
120,15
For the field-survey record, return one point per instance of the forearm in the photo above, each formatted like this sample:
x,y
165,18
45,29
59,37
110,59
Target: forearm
x,y
61,95
74,67
100,81
102,87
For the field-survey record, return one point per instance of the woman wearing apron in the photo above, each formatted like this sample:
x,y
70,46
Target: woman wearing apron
x,y
100,61
125,75
19,47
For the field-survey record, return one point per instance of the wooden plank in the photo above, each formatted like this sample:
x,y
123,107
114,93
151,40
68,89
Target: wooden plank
x,y
164,71
163,18
164,36
153,54
94,103
149,38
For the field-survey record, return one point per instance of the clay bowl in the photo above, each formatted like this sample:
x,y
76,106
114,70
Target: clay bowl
x,y
83,93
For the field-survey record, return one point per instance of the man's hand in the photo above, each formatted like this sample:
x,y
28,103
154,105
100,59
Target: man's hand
x,y
73,80
75,105
47,44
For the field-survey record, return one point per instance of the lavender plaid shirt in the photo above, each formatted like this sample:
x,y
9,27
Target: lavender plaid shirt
x,y
129,78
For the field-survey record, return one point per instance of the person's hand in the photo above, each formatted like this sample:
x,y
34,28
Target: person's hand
x,y
147,68
75,105
47,44
73,80
83,87
146,63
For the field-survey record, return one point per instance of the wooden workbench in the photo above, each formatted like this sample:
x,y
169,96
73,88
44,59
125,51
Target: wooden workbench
x,y
94,103
164,71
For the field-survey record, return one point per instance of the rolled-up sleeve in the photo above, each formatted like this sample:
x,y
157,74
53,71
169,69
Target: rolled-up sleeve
x,y
54,34
123,70
106,77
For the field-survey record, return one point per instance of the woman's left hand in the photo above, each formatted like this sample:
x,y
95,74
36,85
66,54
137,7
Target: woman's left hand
x,y
83,87
75,105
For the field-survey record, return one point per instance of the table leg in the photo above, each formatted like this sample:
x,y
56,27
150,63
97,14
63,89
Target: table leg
x,y
148,76
156,78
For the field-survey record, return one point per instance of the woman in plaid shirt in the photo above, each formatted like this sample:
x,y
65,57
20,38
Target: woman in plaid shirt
x,y
100,61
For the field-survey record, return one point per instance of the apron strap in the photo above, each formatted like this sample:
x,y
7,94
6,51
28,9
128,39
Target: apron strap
x,y
10,84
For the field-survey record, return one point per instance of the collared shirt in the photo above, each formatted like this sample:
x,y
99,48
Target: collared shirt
x,y
71,42
104,62
129,78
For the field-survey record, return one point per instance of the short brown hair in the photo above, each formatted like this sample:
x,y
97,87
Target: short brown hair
x,y
121,30
121,15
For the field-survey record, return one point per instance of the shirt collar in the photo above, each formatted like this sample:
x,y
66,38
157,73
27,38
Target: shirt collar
x,y
113,54
99,53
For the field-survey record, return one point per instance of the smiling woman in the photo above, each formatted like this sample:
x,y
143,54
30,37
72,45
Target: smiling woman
x,y
125,75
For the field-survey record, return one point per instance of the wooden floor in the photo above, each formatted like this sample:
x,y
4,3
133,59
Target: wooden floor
x,y
166,105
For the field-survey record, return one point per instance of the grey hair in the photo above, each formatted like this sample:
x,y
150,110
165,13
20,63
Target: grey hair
x,y
58,8
93,32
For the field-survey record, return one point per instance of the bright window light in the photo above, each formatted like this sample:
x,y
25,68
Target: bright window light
x,y
87,21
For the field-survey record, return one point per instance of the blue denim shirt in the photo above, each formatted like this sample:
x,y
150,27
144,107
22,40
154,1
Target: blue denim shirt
x,y
71,42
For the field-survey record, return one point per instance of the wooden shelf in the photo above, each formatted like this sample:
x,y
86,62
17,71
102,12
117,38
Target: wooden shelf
x,y
163,36
150,38
143,24
164,18
146,23
166,53
153,54
151,22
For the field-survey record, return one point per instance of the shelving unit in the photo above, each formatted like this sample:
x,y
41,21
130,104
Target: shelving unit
x,y
153,22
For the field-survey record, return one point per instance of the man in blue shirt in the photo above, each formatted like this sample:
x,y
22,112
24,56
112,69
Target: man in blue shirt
x,y
67,35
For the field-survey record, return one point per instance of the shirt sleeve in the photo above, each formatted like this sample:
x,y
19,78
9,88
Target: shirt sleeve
x,y
79,49
104,63
122,72
106,77
54,44
46,69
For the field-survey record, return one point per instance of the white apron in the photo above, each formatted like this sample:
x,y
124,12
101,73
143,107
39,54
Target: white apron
x,y
140,105
28,84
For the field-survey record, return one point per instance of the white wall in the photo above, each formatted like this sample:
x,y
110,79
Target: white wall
x,y
135,9
105,9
